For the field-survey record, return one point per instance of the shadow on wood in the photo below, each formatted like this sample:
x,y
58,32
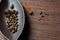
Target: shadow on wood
x,y
26,31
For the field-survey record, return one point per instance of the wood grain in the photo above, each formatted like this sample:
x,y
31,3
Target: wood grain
x,y
49,27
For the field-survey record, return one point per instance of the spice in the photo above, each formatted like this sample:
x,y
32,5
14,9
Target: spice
x,y
12,20
41,13
12,6
27,8
46,14
40,19
42,16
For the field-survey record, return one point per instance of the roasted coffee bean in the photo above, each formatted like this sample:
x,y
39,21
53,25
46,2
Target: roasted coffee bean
x,y
41,13
12,6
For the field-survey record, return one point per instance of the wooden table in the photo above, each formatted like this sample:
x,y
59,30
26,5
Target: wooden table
x,y
48,28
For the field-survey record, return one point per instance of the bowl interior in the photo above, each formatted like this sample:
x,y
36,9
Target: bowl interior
x,y
21,17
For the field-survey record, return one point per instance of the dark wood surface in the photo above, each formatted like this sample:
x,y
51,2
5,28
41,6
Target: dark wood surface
x,y
48,28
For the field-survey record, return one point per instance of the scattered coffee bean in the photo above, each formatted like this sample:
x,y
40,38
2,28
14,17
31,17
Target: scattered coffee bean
x,y
41,13
40,19
46,14
42,16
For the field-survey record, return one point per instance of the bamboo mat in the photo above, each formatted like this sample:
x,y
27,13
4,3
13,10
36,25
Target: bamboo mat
x,y
48,28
